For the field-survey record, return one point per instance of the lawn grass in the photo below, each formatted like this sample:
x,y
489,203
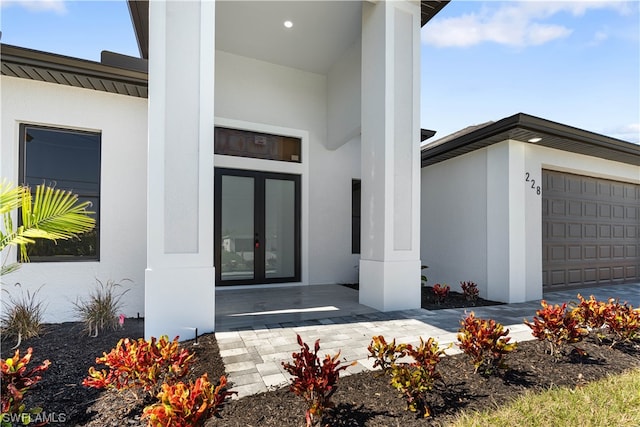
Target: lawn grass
x,y
613,401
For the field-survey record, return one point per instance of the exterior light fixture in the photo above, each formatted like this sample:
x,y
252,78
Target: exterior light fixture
x,y
288,24
536,139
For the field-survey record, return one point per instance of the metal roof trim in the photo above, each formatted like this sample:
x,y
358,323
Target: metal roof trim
x,y
47,67
481,138
52,61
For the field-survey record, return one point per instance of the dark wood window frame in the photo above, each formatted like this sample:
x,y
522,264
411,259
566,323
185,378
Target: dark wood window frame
x,y
257,145
52,181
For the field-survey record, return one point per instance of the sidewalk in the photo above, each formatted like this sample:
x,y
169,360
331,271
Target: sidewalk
x,y
253,343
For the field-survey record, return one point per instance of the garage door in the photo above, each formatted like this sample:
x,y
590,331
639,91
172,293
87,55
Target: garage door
x,y
590,231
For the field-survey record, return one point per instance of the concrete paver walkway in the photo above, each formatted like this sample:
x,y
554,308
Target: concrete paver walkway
x,y
256,328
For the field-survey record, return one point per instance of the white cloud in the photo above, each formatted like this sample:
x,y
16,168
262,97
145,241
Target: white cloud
x,y
629,132
600,36
518,24
57,6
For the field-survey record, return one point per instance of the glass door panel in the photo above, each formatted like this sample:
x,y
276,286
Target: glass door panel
x,y
280,230
257,227
237,228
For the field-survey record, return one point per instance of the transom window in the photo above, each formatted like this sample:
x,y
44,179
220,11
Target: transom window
x,y
68,160
242,143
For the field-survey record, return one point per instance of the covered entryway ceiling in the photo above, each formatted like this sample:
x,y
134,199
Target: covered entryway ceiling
x,y
321,30
590,231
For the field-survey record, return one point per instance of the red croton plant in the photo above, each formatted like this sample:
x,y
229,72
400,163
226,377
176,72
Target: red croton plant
x,y
315,382
16,379
187,405
141,364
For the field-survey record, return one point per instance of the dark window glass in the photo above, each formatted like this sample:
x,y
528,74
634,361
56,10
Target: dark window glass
x,y
355,216
241,143
68,160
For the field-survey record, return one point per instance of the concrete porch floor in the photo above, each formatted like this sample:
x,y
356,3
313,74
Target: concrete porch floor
x,y
256,328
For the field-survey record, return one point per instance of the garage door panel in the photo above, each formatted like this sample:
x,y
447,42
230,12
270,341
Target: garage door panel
x,y
574,208
590,209
618,273
590,275
557,231
618,211
557,254
590,230
604,252
604,188
618,251
574,231
604,274
574,276
617,191
557,207
590,252
574,253
558,277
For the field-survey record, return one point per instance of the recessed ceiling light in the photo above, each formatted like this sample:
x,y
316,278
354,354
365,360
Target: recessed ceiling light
x,y
536,139
288,24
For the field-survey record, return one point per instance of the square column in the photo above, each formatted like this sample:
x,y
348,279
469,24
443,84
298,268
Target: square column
x,y
390,252
506,222
180,279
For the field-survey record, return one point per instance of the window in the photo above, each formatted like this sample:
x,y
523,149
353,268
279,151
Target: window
x,y
234,142
68,160
355,216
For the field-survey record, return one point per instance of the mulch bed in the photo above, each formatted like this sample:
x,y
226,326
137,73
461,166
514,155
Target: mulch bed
x,y
453,300
364,399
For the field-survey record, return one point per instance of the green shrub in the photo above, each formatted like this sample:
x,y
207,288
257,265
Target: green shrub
x,y
486,342
557,326
412,379
100,311
22,316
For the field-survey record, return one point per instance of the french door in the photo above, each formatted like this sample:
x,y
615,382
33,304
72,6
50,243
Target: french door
x,y
257,227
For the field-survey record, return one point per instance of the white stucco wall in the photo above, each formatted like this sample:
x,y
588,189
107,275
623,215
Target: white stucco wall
x,y
122,121
482,221
257,95
344,97
453,236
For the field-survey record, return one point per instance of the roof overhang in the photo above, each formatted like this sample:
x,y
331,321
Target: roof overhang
x,y
48,67
139,11
52,68
430,9
526,128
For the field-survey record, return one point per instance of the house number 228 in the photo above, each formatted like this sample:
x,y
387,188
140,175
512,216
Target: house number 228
x,y
533,183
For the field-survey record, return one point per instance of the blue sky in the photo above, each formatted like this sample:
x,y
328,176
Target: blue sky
x,y
573,62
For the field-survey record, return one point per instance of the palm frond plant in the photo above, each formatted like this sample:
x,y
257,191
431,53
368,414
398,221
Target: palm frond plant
x,y
50,214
